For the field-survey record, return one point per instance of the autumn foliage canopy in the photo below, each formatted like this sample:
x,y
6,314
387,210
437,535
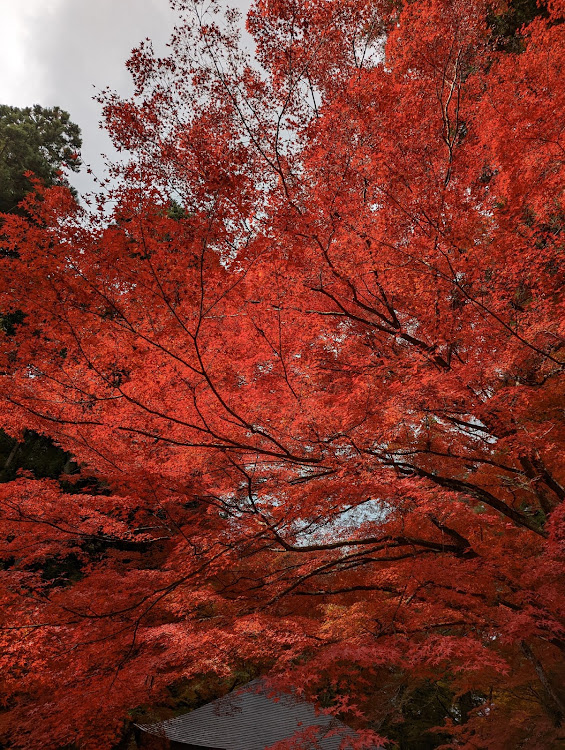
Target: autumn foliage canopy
x,y
307,349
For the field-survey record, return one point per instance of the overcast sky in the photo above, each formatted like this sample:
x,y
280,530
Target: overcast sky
x,y
60,52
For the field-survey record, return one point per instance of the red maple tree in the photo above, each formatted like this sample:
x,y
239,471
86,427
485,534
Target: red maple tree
x,y
311,345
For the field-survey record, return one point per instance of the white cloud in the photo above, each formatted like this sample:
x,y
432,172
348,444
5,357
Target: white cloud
x,y
21,73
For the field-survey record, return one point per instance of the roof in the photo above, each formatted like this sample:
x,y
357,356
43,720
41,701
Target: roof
x,y
251,718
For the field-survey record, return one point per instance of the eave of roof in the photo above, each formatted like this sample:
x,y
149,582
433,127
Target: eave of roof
x,y
251,718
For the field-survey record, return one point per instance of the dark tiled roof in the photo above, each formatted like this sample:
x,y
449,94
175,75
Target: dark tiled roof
x,y
248,719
